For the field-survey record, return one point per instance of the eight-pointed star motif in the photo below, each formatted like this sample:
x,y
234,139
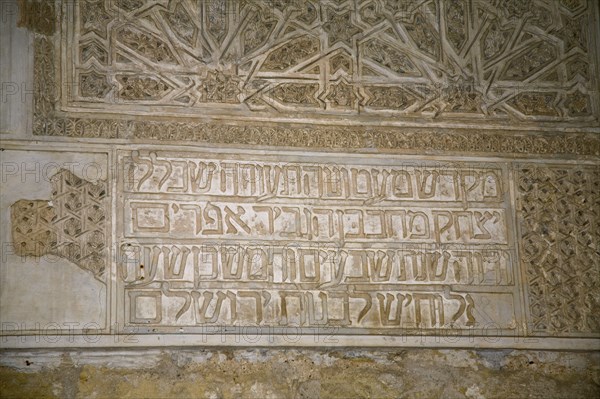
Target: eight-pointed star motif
x,y
340,27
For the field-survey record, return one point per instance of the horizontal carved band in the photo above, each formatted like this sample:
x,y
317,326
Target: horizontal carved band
x,y
326,138
121,68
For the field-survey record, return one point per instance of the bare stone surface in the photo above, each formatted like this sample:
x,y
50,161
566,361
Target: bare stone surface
x,y
268,373
16,74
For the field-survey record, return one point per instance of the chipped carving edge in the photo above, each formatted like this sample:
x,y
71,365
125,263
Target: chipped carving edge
x,y
37,16
72,224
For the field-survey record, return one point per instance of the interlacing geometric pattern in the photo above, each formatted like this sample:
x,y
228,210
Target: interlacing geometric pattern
x,y
559,211
72,224
515,59
499,63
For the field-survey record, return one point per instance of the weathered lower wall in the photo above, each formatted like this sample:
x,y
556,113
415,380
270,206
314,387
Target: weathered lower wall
x,y
386,95
289,373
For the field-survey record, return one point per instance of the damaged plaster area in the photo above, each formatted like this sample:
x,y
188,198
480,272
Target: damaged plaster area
x,y
70,225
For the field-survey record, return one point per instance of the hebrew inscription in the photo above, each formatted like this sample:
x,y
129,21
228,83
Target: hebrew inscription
x,y
208,244
239,242
382,169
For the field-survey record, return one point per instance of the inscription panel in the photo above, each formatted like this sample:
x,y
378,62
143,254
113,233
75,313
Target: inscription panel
x,y
213,240
180,246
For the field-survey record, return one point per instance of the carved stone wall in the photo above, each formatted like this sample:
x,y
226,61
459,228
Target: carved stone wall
x,y
460,64
215,247
559,210
300,198
373,171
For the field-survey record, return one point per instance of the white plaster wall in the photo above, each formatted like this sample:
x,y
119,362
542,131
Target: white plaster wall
x,y
45,293
16,73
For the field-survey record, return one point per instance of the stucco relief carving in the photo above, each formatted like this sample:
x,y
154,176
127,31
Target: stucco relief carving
x,y
391,61
374,246
514,57
71,224
207,242
273,244
559,219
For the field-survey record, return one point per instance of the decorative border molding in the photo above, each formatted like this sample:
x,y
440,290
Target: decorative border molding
x,y
129,340
37,16
50,121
